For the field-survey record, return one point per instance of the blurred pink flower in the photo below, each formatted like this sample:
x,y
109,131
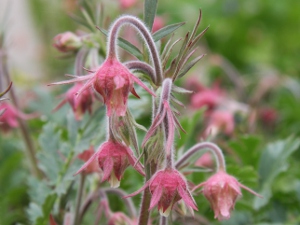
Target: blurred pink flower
x,y
85,156
158,23
9,118
113,159
119,218
79,103
220,121
222,191
268,116
66,42
125,4
209,97
205,160
167,187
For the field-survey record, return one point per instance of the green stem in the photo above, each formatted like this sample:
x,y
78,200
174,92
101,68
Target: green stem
x,y
144,210
30,150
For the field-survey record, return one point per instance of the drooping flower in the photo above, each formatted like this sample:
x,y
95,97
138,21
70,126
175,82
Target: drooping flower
x,y
80,104
113,81
222,191
167,187
119,218
66,42
113,158
9,119
85,156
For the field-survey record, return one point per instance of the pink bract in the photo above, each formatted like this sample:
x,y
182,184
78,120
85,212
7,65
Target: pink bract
x,y
85,156
167,187
113,158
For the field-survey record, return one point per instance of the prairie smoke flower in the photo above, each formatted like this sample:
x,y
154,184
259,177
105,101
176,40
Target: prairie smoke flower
x,y
119,218
222,191
66,42
167,187
113,81
80,104
113,158
85,156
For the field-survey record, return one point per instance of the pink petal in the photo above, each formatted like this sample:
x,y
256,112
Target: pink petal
x,y
107,168
119,82
134,163
156,196
187,198
137,80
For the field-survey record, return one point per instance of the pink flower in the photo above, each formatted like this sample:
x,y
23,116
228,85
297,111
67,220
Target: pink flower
x,y
9,118
80,104
268,116
222,191
158,23
125,4
113,158
113,81
85,156
167,187
220,121
207,97
66,42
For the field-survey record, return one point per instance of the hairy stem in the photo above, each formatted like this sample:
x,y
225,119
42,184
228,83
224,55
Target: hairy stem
x,y
146,34
163,220
144,212
217,152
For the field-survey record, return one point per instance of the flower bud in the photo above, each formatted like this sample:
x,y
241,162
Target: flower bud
x,y
67,41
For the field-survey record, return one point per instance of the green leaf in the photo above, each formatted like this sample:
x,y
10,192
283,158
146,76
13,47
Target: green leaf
x,y
126,45
149,12
166,30
273,161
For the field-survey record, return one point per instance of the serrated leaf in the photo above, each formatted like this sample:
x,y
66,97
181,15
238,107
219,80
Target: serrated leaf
x,y
73,126
161,33
149,12
126,45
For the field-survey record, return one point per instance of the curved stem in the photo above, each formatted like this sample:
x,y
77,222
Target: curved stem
x,y
128,201
141,66
217,152
146,34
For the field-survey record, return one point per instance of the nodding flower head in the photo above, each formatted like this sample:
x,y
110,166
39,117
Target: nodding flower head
x,y
66,42
222,191
167,187
113,81
80,104
113,158
119,218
